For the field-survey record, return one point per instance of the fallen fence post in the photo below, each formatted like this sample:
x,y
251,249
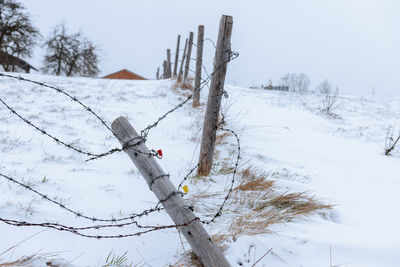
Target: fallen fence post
x,y
182,62
199,63
188,55
159,182
177,55
222,56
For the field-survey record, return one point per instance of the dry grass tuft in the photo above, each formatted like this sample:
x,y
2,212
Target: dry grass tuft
x,y
36,260
252,180
254,206
258,204
20,262
220,138
180,85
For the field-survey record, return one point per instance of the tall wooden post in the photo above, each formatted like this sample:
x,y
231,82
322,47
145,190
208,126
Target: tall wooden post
x,y
160,184
222,55
199,65
183,61
164,69
188,55
168,63
158,73
177,55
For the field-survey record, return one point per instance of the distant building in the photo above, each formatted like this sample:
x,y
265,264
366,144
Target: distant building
x,y
10,60
278,87
124,75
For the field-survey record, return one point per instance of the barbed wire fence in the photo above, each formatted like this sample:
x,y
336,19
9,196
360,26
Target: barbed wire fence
x,y
122,221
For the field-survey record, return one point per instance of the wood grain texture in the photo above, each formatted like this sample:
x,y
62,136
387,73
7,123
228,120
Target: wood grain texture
x,y
199,63
188,55
199,240
177,55
222,55
182,62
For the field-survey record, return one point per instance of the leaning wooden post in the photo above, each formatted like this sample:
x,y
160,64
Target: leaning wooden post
x,y
222,56
160,184
177,55
182,62
188,55
199,64
168,63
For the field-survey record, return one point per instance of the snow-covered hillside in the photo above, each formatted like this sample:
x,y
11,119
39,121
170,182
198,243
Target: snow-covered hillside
x,y
340,160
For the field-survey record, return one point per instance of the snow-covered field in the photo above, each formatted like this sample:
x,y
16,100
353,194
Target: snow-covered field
x,y
339,160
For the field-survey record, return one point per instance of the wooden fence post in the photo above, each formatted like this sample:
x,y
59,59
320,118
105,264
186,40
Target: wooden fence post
x,y
188,55
199,65
168,63
177,55
158,73
182,62
164,69
222,56
160,184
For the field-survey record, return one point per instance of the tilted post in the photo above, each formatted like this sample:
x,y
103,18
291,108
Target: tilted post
x,y
188,55
160,184
177,55
222,56
182,62
168,63
199,65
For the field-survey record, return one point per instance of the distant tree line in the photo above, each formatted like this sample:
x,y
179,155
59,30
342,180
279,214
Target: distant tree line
x,y
69,54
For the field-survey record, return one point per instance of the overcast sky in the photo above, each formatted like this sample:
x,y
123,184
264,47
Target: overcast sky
x,y
353,43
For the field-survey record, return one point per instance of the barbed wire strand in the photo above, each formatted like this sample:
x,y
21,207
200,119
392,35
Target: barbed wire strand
x,y
144,134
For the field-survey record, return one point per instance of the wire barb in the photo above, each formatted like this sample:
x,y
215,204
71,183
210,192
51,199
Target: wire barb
x,y
131,144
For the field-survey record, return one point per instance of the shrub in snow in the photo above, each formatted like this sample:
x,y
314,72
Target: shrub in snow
x,y
328,97
391,140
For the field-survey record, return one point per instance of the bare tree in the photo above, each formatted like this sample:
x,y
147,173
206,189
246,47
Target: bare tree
x,y
17,34
328,97
391,140
70,54
296,82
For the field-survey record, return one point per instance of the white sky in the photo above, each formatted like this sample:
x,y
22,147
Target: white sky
x,y
353,43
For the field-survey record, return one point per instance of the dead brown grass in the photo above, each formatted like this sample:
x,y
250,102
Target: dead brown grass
x,y
36,259
260,204
220,138
255,205
182,86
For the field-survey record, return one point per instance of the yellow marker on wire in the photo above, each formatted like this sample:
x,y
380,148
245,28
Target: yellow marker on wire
x,y
185,189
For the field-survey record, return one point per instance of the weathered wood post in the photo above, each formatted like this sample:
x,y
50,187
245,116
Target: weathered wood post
x,y
160,184
164,69
188,55
222,56
158,73
177,55
199,65
182,62
168,63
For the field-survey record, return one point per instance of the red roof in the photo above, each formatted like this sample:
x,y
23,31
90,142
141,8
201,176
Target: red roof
x,y
124,75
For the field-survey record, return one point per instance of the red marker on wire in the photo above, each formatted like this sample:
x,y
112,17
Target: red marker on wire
x,y
159,153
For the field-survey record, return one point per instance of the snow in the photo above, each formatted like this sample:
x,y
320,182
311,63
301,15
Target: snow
x,y
338,159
